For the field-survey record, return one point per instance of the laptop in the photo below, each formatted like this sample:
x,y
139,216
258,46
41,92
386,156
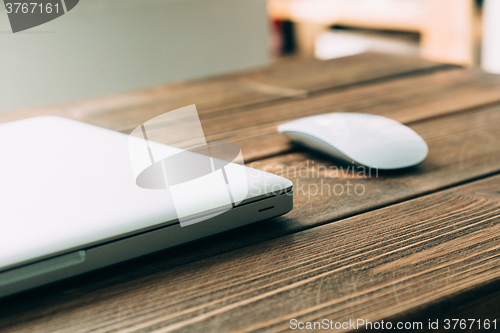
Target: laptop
x,y
71,202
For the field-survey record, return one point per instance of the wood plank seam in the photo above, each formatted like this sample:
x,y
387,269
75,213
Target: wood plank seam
x,y
471,109
294,93
287,94
413,73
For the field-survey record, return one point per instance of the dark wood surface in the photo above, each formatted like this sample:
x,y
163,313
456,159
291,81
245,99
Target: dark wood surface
x,y
418,244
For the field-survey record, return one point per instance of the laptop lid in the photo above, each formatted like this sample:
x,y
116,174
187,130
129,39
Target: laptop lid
x,y
65,185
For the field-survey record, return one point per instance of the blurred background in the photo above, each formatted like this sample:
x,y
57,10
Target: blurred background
x,y
107,47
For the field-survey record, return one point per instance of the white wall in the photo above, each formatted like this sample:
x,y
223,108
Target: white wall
x,y
107,46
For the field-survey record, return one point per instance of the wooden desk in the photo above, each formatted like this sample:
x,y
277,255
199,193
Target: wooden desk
x,y
418,244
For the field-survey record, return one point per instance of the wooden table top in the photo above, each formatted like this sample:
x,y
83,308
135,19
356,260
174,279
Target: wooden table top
x,y
418,244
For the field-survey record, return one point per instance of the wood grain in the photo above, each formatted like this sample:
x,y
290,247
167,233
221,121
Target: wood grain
x,y
287,79
373,266
153,293
407,100
326,259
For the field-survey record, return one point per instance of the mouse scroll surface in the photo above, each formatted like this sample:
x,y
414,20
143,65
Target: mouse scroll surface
x,y
369,140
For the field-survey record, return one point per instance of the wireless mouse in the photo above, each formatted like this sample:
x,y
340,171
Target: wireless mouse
x,y
362,139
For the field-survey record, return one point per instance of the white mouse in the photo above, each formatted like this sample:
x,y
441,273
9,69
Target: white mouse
x,y
363,139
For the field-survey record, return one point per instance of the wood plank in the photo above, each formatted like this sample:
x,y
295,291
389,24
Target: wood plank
x,y
406,100
463,147
286,79
374,266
